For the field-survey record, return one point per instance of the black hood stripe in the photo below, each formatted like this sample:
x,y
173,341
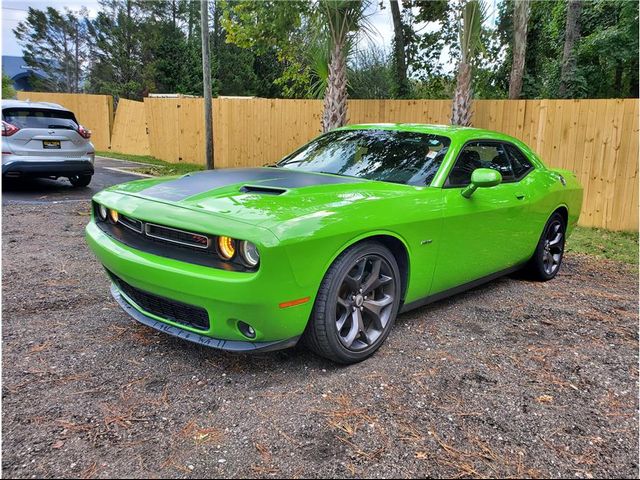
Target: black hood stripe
x,y
200,182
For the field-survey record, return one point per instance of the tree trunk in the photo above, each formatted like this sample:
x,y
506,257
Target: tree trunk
x,y
190,6
335,97
206,83
461,108
400,61
572,35
520,23
617,80
77,59
67,61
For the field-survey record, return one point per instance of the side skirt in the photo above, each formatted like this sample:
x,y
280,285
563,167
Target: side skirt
x,y
459,289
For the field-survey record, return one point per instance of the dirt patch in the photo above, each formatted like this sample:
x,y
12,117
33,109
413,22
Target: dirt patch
x,y
511,379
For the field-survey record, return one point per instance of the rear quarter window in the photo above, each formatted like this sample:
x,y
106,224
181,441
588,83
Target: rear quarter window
x,y
520,164
39,118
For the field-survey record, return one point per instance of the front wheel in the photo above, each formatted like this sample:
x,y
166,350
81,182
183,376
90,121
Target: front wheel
x,y
356,305
80,180
546,261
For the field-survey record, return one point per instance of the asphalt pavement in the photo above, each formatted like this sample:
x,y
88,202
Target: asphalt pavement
x,y
108,172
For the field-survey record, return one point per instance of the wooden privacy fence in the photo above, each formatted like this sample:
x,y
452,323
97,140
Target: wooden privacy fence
x,y
94,112
597,139
129,134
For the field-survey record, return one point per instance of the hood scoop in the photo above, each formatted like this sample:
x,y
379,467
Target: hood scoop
x,y
262,189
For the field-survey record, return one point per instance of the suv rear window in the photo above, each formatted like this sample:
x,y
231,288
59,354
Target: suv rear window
x,y
39,118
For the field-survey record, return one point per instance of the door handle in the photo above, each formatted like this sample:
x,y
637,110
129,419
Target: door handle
x,y
520,196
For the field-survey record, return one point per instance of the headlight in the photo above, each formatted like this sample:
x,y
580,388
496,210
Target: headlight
x,y
226,247
249,253
102,212
113,215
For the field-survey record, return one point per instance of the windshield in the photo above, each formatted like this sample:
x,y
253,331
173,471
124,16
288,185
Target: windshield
x,y
385,155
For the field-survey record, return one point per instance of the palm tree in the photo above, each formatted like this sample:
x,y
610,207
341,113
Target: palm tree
x,y
521,11
471,17
343,19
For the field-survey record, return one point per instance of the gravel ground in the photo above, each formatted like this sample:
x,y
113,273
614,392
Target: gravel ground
x,y
513,379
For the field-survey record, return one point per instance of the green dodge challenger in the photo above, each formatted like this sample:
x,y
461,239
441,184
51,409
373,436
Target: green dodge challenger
x,y
331,243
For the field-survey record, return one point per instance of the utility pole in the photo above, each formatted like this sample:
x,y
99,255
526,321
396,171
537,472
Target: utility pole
x,y
206,82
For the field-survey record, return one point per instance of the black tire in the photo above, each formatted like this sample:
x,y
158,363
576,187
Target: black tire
x,y
547,258
378,304
80,180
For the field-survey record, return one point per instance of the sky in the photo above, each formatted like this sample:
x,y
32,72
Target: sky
x,y
14,11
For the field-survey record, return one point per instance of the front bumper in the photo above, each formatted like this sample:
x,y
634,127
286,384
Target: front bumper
x,y
228,297
46,168
227,345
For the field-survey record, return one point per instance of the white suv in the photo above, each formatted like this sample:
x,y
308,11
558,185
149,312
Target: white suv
x,y
45,140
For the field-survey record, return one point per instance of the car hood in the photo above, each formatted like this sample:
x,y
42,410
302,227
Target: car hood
x,y
261,196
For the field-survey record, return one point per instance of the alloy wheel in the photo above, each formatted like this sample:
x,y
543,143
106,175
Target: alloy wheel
x,y
365,302
553,248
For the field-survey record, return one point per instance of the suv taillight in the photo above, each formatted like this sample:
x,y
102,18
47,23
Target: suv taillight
x,y
8,129
84,132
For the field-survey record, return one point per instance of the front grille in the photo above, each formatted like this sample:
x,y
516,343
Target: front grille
x,y
168,242
173,310
177,236
132,223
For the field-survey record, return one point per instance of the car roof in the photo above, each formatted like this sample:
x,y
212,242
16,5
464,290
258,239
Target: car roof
x,y
29,104
446,130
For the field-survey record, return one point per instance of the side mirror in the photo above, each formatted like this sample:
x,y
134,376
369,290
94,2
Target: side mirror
x,y
482,177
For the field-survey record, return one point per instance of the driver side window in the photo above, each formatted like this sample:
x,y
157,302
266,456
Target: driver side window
x,y
479,155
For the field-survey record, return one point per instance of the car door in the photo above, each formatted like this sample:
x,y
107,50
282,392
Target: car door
x,y
485,233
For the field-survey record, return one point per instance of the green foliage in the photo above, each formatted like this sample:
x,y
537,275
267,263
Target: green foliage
x,y
56,43
117,50
606,54
7,87
371,74
279,48
423,46
274,31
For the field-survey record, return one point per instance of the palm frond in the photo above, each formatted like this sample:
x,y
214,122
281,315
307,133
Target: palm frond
x,y
472,16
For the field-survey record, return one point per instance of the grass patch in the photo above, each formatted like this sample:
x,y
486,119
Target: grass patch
x,y
620,246
157,168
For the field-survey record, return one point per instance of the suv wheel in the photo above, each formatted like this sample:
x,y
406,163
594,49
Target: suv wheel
x,y
80,180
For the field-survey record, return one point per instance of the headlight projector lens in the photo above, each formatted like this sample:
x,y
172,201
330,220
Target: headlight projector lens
x,y
102,212
249,253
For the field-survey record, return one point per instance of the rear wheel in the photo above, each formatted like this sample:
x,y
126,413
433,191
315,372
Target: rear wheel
x,y
80,180
356,305
546,261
